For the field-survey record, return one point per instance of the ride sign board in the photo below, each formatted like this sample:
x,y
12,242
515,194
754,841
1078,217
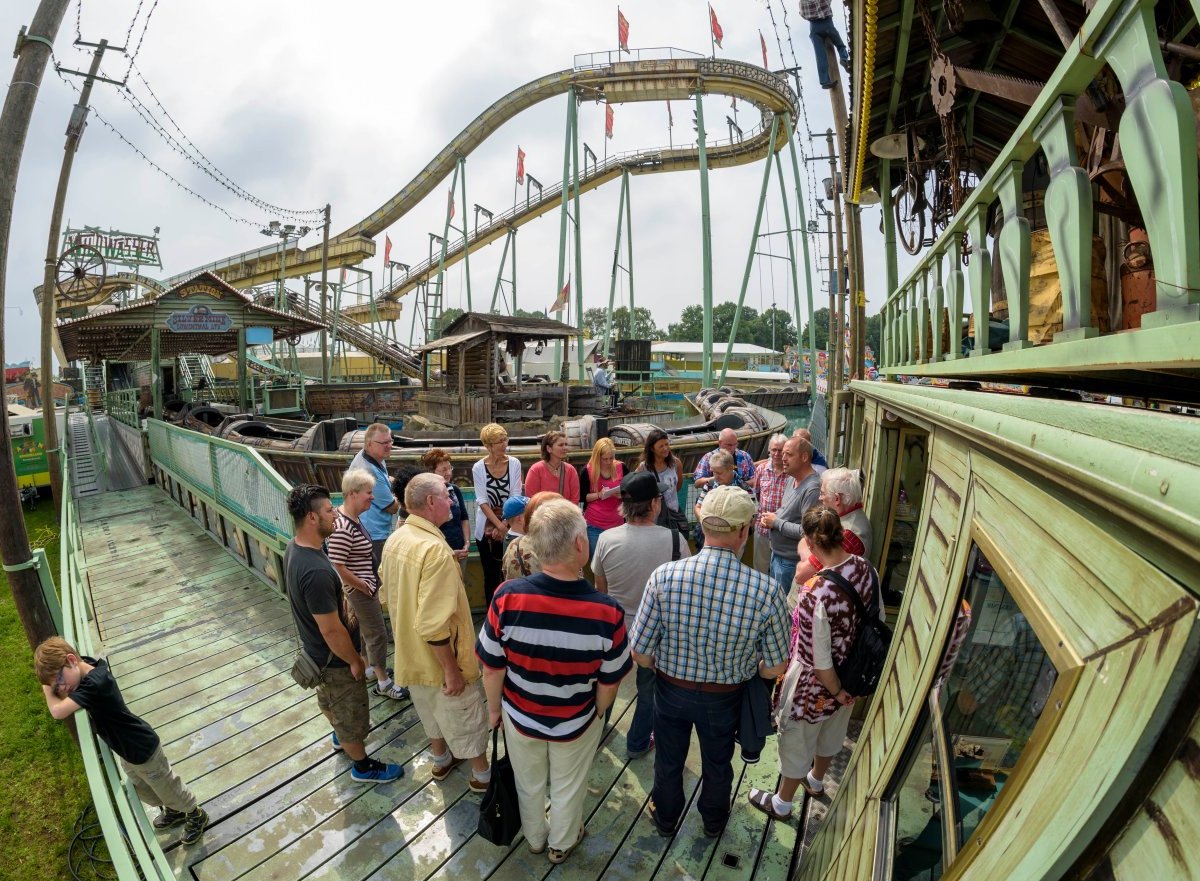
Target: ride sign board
x,y
199,319
121,248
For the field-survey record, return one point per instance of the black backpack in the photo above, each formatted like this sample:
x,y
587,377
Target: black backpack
x,y
862,667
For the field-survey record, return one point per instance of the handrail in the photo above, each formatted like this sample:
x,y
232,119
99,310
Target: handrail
x,y
1158,141
132,847
616,56
122,405
233,475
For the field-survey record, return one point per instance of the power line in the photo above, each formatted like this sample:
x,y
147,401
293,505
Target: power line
x,y
234,217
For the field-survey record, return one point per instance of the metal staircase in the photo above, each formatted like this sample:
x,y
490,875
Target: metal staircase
x,y
366,339
93,386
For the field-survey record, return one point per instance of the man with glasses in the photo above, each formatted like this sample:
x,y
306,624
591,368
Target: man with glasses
x,y
377,519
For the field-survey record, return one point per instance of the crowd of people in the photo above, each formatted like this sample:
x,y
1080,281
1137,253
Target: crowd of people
x,y
730,651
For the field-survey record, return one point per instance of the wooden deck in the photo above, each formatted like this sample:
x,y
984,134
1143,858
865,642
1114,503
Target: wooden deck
x,y
202,648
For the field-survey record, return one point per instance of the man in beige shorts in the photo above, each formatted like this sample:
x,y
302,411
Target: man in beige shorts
x,y
434,634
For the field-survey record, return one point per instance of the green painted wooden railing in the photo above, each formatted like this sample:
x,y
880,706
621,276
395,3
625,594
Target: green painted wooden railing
x,y
132,847
1158,141
122,405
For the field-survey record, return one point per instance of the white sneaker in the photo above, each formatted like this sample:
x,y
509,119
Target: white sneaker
x,y
392,690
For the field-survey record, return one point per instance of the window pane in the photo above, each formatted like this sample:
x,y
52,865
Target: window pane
x,y
919,855
911,467
996,689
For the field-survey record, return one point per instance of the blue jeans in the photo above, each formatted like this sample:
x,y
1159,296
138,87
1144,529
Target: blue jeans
x,y
819,31
783,571
715,717
642,726
594,533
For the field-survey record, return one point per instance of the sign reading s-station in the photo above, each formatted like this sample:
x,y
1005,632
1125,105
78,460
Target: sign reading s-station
x,y
199,319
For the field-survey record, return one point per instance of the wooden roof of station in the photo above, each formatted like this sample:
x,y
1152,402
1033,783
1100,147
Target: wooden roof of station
x,y
473,325
201,316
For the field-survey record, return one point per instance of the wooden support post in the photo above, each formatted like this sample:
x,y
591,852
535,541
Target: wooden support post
x,y
981,278
156,391
939,300
923,319
954,291
243,371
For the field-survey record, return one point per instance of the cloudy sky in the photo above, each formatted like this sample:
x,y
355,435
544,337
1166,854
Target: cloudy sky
x,y
303,103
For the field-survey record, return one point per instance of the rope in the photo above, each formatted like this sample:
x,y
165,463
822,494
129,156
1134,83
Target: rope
x,y
860,150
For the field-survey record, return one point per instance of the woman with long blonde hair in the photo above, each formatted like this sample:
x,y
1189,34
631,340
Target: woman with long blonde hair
x,y
600,489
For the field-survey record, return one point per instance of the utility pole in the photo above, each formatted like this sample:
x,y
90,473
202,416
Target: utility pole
x,y
75,129
33,53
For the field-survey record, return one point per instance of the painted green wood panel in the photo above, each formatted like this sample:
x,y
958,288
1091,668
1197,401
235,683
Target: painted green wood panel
x,y
1160,841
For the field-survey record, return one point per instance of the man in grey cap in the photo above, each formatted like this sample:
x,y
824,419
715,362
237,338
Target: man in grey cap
x,y
624,560
706,626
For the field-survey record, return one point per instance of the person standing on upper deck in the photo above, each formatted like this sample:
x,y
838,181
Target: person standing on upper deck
x,y
784,523
707,625
819,14
432,626
727,440
377,520
770,480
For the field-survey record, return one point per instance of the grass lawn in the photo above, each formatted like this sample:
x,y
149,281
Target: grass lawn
x,y
42,784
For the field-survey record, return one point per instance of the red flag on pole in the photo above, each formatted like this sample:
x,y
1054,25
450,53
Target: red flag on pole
x,y
622,31
520,165
670,116
450,202
608,120
561,302
387,249
763,41
717,33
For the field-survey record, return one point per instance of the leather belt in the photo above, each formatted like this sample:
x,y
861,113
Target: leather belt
x,y
707,687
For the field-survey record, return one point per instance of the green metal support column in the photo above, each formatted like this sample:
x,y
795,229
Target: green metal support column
x,y
156,391
762,201
564,210
445,239
616,264
706,244
500,272
462,164
578,245
802,223
242,372
791,245
891,271
629,250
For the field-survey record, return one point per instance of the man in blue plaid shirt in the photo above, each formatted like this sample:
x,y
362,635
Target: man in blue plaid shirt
x,y
706,625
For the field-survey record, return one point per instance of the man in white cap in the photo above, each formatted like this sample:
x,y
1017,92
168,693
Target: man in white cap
x,y
707,625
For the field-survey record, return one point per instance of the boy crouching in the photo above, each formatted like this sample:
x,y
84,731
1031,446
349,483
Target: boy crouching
x,y
71,682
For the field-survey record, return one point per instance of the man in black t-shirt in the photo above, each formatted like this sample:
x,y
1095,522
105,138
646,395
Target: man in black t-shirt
x,y
72,682
315,593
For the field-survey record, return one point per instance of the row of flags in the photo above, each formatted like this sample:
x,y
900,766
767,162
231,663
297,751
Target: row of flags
x,y
718,33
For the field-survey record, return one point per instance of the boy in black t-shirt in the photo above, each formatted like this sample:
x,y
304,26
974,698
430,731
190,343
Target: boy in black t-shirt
x,y
72,682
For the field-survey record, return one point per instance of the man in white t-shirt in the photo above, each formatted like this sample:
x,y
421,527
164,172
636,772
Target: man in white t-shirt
x,y
625,556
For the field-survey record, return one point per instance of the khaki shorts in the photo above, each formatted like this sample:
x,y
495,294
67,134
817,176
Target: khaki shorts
x,y
461,720
801,742
344,698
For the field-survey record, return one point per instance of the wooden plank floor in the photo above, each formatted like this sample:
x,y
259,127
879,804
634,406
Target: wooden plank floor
x,y
202,648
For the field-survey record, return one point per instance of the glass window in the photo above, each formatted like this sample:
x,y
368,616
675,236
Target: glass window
x,y
904,514
993,683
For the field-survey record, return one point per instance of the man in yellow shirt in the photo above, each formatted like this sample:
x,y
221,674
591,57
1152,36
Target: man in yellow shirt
x,y
435,638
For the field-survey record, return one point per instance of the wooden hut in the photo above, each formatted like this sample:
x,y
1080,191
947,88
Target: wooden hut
x,y
474,386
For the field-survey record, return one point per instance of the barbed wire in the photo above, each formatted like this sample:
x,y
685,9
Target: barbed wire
x,y
142,155
188,149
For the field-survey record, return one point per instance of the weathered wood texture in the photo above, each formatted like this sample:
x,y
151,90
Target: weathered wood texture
x,y
1121,631
202,649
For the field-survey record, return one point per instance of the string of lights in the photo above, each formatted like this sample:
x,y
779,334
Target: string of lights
x,y
184,146
803,105
142,36
78,20
141,154
132,21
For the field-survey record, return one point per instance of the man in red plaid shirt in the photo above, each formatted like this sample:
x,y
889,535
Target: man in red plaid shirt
x,y
770,480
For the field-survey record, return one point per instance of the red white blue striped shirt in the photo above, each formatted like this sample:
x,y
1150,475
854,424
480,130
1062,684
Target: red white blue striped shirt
x,y
555,640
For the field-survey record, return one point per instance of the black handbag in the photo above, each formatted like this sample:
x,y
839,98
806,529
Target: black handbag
x,y
862,668
500,812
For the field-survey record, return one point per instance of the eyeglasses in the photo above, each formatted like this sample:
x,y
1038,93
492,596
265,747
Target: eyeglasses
x,y
384,443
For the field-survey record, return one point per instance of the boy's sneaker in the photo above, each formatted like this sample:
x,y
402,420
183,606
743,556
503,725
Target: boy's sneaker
x,y
376,772
335,743
194,825
393,690
168,817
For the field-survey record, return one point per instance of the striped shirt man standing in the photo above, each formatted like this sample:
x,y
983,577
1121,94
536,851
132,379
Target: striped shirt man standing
x,y
707,625
554,652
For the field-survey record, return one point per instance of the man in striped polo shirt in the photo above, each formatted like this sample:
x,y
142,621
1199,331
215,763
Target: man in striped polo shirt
x,y
554,652
707,624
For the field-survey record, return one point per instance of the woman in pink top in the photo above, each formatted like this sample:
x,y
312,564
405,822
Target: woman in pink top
x,y
600,483
553,474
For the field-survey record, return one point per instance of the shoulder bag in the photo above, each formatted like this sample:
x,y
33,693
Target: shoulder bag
x,y
862,667
499,811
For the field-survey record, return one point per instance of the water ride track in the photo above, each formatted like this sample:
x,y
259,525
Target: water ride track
x,y
676,79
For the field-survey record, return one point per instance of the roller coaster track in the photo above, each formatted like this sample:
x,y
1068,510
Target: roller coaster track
x,y
651,79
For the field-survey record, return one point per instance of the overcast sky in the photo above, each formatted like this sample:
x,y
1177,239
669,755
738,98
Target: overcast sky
x,y
303,103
